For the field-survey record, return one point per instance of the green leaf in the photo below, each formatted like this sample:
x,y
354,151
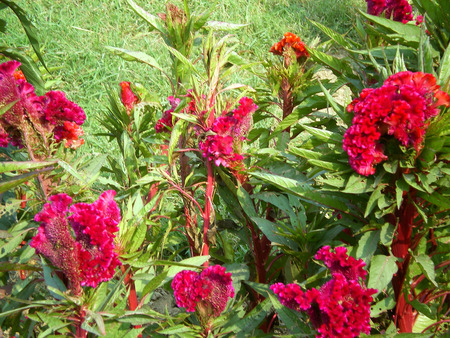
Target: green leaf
x,y
382,268
183,60
444,70
137,56
154,21
30,30
271,231
177,132
186,264
51,279
427,267
410,34
336,37
337,65
12,243
154,283
304,191
331,166
246,202
376,194
7,107
324,135
382,306
289,317
347,118
423,308
25,165
411,180
187,117
387,234
17,180
252,320
367,245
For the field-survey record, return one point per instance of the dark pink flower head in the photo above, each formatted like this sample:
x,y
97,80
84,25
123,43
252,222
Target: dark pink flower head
x,y
54,240
341,308
398,10
129,99
401,107
89,258
166,121
229,129
340,262
14,88
207,292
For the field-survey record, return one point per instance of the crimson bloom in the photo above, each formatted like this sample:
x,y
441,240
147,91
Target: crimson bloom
x,y
402,107
207,292
129,99
47,114
228,130
293,41
341,307
398,10
89,258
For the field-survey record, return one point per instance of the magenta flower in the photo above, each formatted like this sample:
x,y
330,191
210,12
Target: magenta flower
x,y
401,107
166,121
89,258
229,131
47,113
341,308
398,10
207,292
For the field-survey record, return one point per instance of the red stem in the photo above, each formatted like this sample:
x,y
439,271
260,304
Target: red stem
x,y
208,208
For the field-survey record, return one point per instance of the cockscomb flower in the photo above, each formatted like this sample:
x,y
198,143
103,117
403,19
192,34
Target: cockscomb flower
x,y
398,10
47,114
341,307
229,130
89,258
206,292
129,99
166,121
401,107
293,41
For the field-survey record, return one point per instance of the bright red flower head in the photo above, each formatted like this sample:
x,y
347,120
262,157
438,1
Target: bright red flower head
x,y
341,307
293,41
401,107
129,99
207,292
398,10
89,258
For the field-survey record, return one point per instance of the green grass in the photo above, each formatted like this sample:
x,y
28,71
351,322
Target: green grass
x,y
73,34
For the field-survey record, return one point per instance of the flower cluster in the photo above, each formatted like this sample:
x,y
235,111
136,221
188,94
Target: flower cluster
x,y
89,258
207,292
229,130
166,121
47,114
341,308
293,41
398,10
402,108
128,98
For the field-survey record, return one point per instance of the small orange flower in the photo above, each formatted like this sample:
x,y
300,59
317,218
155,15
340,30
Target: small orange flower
x,y
71,133
293,41
18,75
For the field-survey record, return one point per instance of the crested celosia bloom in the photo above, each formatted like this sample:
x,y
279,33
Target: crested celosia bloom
x,y
129,99
47,114
229,130
402,108
207,292
89,258
166,121
341,307
293,41
398,10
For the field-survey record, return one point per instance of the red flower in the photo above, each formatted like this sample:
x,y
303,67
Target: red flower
x,y
341,308
293,41
401,107
89,258
129,99
229,130
207,292
398,10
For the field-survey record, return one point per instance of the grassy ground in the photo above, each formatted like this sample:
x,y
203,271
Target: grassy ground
x,y
73,34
